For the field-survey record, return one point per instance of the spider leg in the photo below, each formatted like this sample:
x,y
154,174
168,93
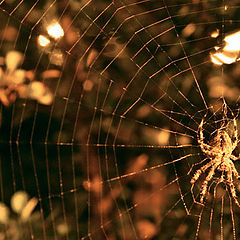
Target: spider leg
x,y
232,187
235,128
204,147
207,179
195,164
207,149
234,158
234,170
235,135
200,171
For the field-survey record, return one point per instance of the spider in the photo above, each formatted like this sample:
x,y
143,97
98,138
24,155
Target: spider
x,y
220,153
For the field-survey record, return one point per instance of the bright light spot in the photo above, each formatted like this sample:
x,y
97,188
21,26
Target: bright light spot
x,y
215,34
13,59
38,91
215,60
232,42
229,53
43,41
55,30
46,99
19,201
220,58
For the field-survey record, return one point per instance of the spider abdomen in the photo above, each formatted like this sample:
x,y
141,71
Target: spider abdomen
x,y
223,142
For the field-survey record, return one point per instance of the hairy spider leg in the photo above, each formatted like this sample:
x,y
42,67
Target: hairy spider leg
x,y
207,179
235,137
235,130
231,185
195,164
234,158
209,150
235,140
200,171
204,147
234,170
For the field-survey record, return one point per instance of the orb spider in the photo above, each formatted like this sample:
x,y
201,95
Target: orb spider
x,y
220,152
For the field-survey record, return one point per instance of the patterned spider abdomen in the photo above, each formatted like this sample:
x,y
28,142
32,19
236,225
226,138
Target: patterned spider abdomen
x,y
222,142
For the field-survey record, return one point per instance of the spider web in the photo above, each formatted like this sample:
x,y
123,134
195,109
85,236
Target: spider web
x,y
112,156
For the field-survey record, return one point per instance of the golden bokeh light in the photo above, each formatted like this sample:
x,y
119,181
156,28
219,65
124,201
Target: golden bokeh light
x,y
55,30
219,58
43,41
215,34
232,42
229,53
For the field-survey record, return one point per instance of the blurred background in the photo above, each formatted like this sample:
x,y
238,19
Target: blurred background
x,y
100,107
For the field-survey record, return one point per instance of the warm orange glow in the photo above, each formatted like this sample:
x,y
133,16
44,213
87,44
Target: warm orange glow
x,y
232,42
229,53
215,34
88,85
55,30
189,30
43,41
28,209
163,137
219,58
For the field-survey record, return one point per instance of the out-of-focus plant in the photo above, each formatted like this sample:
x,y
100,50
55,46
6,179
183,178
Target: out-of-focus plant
x,y
15,220
16,82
